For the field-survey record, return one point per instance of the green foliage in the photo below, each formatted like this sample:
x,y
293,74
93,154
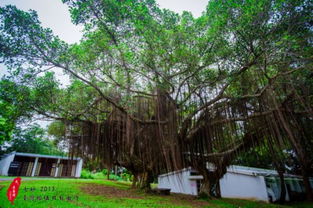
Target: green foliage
x,y
56,129
6,126
144,47
256,157
86,174
105,171
14,107
126,176
31,140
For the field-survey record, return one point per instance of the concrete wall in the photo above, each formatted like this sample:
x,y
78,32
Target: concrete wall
x,y
238,182
235,185
232,185
178,182
5,164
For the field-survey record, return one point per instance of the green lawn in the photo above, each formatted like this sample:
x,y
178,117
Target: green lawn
x,y
102,193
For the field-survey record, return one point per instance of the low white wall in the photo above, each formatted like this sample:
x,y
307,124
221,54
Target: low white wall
x,y
5,164
243,186
178,183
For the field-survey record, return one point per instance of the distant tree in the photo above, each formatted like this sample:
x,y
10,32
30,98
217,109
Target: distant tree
x,y
14,107
32,139
56,129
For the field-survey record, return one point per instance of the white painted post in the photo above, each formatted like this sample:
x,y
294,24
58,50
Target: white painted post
x,y
57,168
35,167
79,167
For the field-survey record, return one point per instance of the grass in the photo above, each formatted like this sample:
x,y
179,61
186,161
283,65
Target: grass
x,y
72,188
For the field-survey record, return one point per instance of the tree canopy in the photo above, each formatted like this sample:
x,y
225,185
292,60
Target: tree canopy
x,y
152,90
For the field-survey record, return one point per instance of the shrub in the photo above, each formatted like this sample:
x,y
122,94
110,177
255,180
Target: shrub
x,y
105,171
86,174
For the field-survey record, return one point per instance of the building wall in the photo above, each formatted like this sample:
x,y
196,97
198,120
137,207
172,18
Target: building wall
x,y
178,182
243,186
34,169
5,164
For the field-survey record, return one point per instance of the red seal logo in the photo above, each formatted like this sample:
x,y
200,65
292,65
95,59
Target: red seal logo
x,y
13,189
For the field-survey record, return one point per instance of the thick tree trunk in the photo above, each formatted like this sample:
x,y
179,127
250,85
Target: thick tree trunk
x,y
115,170
209,185
145,180
205,189
108,173
218,189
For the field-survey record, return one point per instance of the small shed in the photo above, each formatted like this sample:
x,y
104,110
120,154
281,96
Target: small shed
x,y
28,164
186,181
238,182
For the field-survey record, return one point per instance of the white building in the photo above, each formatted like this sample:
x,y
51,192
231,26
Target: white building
x,y
27,164
238,182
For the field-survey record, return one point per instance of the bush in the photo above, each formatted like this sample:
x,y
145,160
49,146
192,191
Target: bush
x,y
98,175
115,177
86,174
126,177
105,171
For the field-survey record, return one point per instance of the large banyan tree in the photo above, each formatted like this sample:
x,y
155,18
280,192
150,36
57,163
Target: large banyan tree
x,y
155,91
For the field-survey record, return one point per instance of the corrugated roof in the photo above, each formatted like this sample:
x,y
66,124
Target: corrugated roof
x,y
240,170
40,155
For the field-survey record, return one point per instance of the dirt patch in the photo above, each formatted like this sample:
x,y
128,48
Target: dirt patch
x,y
110,192
113,192
183,199
122,183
